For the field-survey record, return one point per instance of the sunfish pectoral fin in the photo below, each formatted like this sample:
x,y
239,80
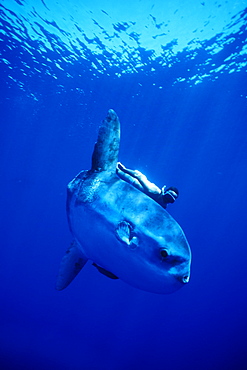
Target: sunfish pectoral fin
x,y
125,233
70,266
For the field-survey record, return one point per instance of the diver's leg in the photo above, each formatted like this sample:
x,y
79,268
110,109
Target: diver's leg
x,y
144,184
148,186
121,167
130,179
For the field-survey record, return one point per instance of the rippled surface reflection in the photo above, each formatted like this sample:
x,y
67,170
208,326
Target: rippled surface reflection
x,y
48,37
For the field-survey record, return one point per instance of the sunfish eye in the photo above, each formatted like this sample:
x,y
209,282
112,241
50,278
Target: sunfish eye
x,y
164,253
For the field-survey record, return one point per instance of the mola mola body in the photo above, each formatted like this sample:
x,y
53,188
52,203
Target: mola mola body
x,y
124,232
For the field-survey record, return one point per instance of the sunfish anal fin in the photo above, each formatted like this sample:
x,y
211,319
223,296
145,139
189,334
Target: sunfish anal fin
x,y
70,266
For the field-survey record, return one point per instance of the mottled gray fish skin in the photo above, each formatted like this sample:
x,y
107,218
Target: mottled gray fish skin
x,y
119,228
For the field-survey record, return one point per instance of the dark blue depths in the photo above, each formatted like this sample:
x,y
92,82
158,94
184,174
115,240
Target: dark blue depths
x,y
190,137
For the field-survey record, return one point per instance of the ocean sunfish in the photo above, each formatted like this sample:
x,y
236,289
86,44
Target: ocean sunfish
x,y
124,232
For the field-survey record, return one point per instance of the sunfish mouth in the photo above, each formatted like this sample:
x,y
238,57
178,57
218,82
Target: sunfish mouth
x,y
183,279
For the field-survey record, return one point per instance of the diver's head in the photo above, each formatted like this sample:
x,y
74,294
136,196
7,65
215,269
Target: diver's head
x,y
170,194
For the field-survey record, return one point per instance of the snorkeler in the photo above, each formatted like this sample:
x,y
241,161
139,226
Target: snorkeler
x,y
138,180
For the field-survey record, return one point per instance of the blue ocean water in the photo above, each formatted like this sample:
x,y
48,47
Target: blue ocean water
x,y
175,73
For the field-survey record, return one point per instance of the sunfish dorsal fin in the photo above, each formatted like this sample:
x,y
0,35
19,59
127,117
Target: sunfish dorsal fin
x,y
105,154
